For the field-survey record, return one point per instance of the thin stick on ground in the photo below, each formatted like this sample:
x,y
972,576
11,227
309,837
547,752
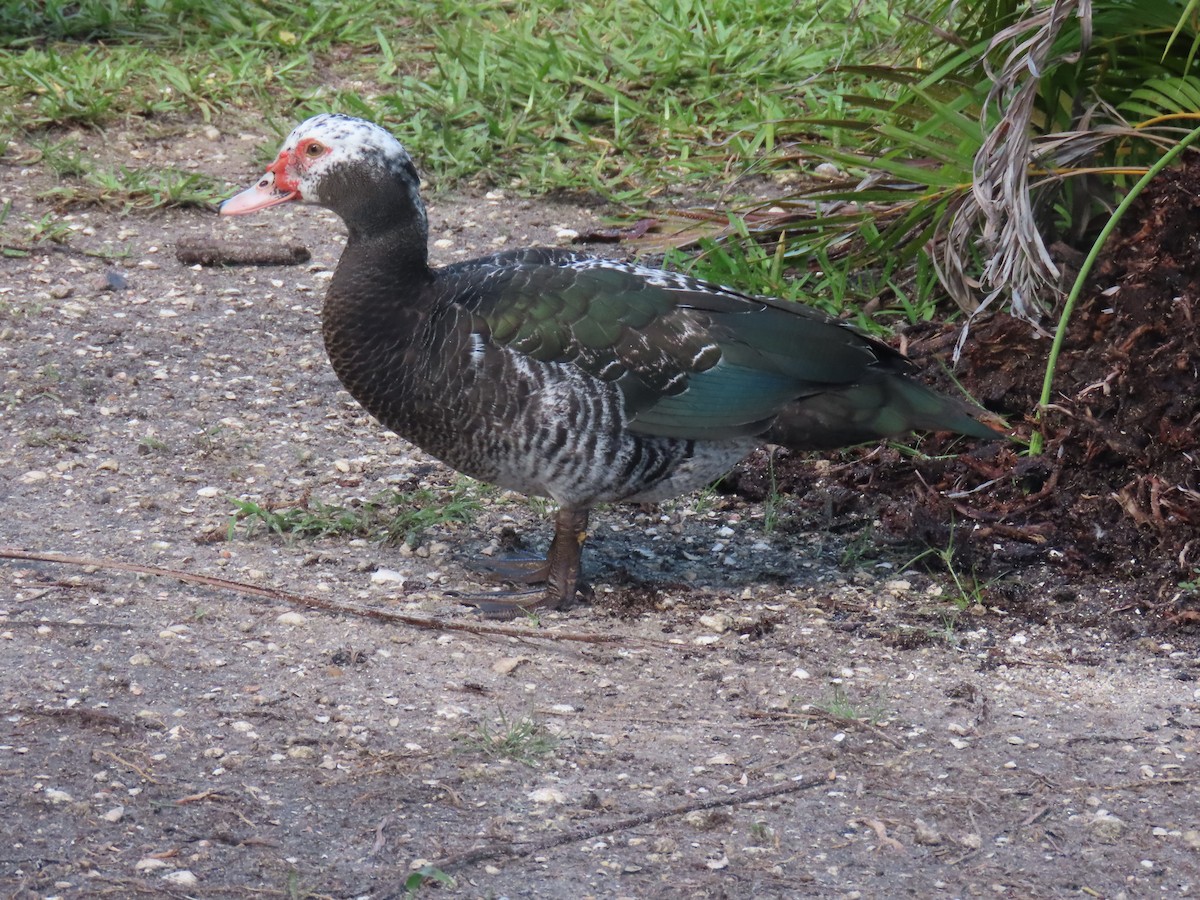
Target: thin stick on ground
x,y
832,718
508,849
341,608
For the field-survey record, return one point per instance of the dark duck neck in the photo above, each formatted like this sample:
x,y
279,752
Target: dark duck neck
x,y
375,311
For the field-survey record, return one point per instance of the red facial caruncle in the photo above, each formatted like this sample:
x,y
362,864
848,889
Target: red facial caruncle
x,y
281,183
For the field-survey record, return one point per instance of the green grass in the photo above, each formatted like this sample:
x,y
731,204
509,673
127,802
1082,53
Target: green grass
x,y
521,740
128,188
390,515
622,96
634,100
55,437
47,228
840,704
151,444
965,589
426,876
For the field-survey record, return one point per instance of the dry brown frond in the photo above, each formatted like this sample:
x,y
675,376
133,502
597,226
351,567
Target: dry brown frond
x,y
998,216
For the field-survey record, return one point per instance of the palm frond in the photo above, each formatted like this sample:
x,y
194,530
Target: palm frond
x,y
999,216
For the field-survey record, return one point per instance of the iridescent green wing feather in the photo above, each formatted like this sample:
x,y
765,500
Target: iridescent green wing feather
x,y
692,360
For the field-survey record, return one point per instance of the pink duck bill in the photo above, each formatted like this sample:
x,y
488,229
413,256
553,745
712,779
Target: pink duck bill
x,y
265,194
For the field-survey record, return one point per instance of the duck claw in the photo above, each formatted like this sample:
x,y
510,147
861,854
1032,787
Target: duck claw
x,y
513,569
505,605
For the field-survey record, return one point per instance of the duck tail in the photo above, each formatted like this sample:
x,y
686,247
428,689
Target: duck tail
x,y
868,411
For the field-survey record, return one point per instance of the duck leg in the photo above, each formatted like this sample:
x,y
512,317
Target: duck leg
x,y
559,571
565,557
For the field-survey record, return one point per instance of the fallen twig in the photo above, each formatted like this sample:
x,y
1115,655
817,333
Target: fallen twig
x,y
506,849
1150,782
844,722
95,717
146,776
211,794
349,609
209,252
615,235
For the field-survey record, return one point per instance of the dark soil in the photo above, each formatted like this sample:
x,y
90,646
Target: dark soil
x,y
1115,497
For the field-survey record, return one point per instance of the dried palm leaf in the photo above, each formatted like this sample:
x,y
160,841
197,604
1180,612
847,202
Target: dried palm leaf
x,y
998,217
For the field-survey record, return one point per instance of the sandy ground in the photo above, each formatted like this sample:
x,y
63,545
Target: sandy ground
x,y
736,715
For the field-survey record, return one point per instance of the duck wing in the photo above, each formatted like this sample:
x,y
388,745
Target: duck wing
x,y
692,360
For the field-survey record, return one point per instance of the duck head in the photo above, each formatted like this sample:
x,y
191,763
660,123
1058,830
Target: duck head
x,y
350,166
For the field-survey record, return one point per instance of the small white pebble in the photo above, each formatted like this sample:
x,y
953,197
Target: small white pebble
x,y
1106,827
547,795
718,622
387,576
508,664
291,618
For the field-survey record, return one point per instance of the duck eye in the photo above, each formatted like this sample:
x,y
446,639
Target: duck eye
x,y
314,149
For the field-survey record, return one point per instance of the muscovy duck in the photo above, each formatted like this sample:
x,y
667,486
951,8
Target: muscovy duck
x,y
581,379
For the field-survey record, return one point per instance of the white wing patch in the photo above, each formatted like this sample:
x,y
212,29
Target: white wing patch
x,y
660,278
478,347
